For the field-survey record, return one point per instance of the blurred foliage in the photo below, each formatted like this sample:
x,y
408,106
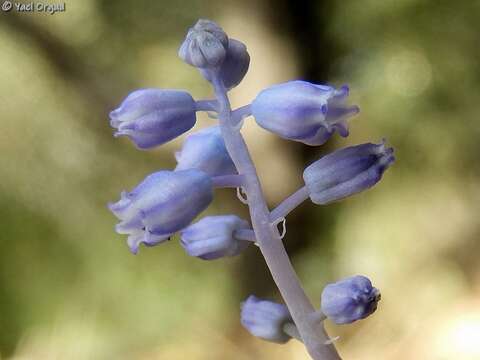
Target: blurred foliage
x,y
69,289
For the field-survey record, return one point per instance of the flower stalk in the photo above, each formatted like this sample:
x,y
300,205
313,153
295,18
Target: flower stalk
x,y
289,204
228,181
312,333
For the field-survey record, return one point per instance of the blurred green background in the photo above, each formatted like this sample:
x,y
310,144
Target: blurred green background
x,y
70,289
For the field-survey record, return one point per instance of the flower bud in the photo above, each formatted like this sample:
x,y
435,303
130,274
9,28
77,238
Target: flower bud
x,y
163,203
347,171
235,65
349,300
213,237
205,150
205,45
151,117
265,319
302,111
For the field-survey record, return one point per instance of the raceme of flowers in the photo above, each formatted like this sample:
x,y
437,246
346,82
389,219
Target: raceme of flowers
x,y
168,201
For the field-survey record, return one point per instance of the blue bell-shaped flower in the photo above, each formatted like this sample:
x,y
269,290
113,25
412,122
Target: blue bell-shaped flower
x,y
151,117
162,204
213,237
302,111
349,300
265,319
205,150
347,171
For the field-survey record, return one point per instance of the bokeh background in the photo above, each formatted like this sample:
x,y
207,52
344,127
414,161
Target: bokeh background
x,y
70,289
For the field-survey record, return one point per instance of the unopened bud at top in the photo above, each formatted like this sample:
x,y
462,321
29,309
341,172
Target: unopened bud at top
x,y
163,203
213,237
265,319
151,117
349,300
205,150
205,45
302,111
347,171
234,67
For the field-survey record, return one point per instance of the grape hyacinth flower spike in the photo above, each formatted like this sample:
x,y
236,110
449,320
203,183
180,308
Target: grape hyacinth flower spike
x,y
166,202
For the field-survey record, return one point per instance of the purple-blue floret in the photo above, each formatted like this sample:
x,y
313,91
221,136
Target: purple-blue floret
x,y
152,117
304,112
265,319
205,150
162,204
213,237
347,171
349,300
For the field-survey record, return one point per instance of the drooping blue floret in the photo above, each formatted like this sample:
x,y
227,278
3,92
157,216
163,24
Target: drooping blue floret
x,y
302,111
234,67
205,45
265,319
347,171
349,300
213,237
151,117
162,204
205,150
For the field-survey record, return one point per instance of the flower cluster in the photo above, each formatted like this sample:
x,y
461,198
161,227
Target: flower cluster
x,y
168,201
